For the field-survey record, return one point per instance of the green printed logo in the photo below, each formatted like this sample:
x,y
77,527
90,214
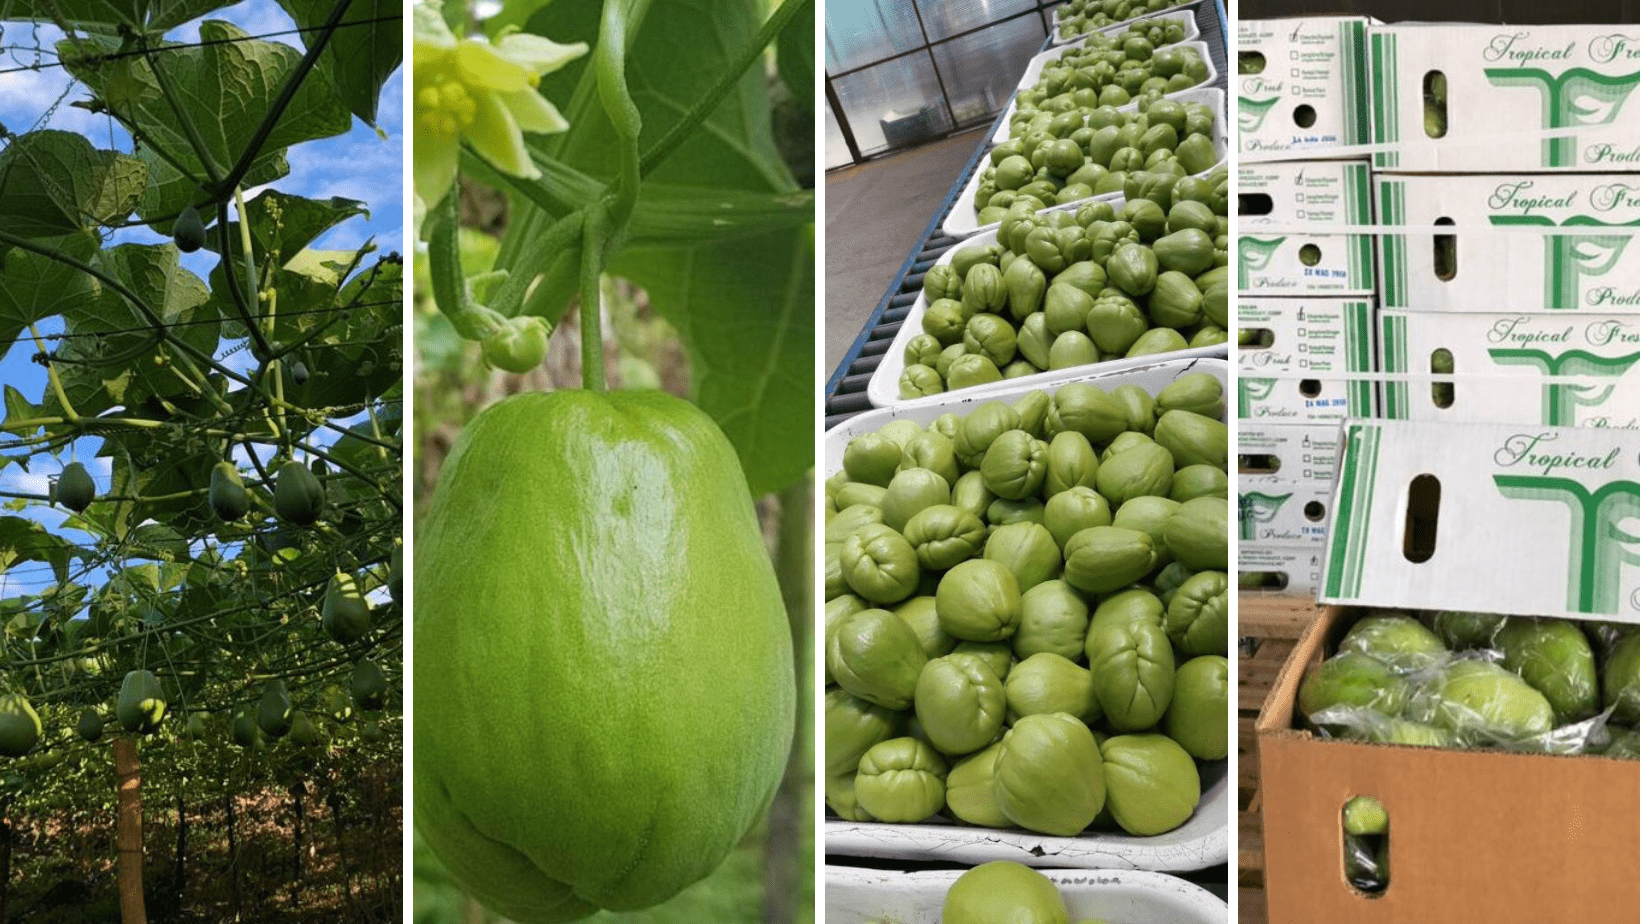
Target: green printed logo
x,y
1257,508
1569,259
1253,255
1605,534
1577,97
1250,113
1252,391
1562,399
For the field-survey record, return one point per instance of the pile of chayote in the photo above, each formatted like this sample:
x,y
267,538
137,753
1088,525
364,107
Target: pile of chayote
x,y
1104,76
1058,159
1027,616
1080,16
1466,680
1066,289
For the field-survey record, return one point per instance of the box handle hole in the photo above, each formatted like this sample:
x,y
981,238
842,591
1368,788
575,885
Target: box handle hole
x,y
1309,255
1262,580
1248,204
1440,363
1366,845
1250,62
1435,104
1255,338
1258,463
1423,514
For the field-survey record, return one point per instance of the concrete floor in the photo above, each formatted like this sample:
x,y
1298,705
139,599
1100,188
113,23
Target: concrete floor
x,y
874,213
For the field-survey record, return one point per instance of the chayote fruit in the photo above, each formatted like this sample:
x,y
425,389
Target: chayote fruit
x,y
1151,783
858,493
978,600
1197,392
1066,308
1128,605
1553,655
1140,471
1193,439
1026,549
998,656
1364,815
944,535
970,789
1197,716
977,431
879,564
1198,535
841,798
1139,406
911,491
1462,631
919,381
972,369
982,291
1149,514
632,623
837,609
1069,512
1621,680
901,781
1157,340
921,615
1003,892
1101,559
871,458
1015,465
1071,463
877,657
1198,616
971,494
1033,408
854,726
19,726
1047,683
991,337
1090,411
1026,285
1034,341
1195,481
1004,511
1481,698
960,703
1402,642
1052,618
931,450
1132,664
1071,349
1049,775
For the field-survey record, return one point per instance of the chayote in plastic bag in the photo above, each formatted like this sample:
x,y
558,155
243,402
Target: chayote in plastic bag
x,y
1482,699
1151,783
1553,655
1462,631
1049,776
1402,642
901,781
978,600
960,703
1352,678
1621,680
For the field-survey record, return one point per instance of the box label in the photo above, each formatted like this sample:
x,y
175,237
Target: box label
x,y
1295,343
1313,90
1575,80
1316,193
1552,369
1573,265
1306,454
1295,569
1495,518
1278,511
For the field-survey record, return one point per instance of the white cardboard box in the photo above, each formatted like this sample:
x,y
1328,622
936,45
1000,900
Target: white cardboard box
x,y
1552,249
1276,511
1494,518
1297,568
1289,198
873,896
1295,452
1313,92
1545,369
1506,87
1287,381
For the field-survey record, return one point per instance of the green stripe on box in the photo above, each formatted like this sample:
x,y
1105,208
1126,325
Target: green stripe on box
x,y
1359,210
1358,358
1395,360
1392,199
1357,89
1346,542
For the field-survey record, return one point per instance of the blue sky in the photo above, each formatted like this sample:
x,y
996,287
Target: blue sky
x,y
361,164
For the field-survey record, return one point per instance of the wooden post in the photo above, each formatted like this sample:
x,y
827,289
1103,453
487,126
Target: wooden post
x,y
128,839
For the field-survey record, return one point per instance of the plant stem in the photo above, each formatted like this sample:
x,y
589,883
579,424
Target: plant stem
x,y
732,73
592,325
189,130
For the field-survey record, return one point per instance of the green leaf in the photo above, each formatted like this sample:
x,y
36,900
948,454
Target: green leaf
x,y
25,540
154,17
362,53
746,310
228,88
55,183
18,409
33,286
794,55
284,225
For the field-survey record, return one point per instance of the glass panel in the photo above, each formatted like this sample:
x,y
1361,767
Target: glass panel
x,y
859,32
945,18
981,70
895,104
837,154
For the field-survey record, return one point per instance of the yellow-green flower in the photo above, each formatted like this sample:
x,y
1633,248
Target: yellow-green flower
x,y
486,93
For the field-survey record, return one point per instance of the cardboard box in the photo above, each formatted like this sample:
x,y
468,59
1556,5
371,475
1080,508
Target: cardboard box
x,y
1506,86
1296,343
1581,257
1474,835
1290,197
1293,570
1313,92
1276,511
1496,518
1292,451
1559,370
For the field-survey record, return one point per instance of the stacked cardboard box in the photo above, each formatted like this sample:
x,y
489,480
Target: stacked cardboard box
x,y
1307,300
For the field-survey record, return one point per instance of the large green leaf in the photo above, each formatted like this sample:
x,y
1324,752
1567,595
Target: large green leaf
x,y
25,540
746,309
794,55
55,183
155,17
228,87
366,47
34,286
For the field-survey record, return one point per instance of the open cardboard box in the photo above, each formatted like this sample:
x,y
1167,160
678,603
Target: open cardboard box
x,y
1309,91
1483,836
